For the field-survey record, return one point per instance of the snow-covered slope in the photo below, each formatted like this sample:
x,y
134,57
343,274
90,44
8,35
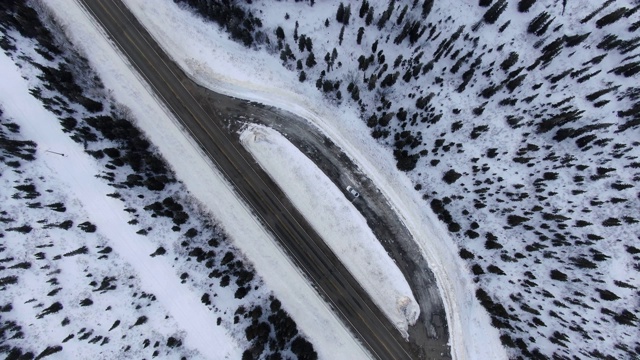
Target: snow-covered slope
x,y
74,257
517,122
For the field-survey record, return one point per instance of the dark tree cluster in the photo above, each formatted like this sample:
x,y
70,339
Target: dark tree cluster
x,y
240,23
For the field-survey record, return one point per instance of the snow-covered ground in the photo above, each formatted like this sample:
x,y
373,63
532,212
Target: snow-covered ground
x,y
71,177
215,61
310,312
336,220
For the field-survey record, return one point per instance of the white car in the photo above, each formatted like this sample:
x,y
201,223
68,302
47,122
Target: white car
x,y
353,191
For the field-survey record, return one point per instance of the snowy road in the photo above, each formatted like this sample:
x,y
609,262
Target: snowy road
x,y
189,104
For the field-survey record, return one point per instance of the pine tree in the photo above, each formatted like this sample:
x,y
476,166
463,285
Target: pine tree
x,y
402,15
303,76
363,8
311,60
360,33
301,42
525,5
341,36
340,13
347,15
309,44
540,24
494,12
611,18
369,18
509,61
427,5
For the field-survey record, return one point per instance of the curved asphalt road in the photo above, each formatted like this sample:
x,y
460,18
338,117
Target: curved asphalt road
x,y
304,246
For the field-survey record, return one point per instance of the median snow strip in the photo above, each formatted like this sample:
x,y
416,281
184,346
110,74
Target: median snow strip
x,y
337,221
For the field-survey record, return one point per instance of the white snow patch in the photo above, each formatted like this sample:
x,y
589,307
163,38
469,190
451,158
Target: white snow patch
x,y
337,221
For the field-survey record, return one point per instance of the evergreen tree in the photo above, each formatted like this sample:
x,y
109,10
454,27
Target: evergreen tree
x,y
340,13
301,42
360,33
363,8
540,24
309,44
427,5
341,36
311,60
494,12
369,18
525,5
611,18
347,15
402,15
509,61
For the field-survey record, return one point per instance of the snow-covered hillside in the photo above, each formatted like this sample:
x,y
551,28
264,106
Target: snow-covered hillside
x,y
517,122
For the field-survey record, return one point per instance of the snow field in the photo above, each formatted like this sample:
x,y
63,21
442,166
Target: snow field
x,y
204,182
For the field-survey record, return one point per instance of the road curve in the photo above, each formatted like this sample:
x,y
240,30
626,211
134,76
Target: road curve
x,y
185,100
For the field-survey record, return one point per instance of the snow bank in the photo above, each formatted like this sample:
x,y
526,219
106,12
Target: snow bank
x,y
337,221
192,167
207,54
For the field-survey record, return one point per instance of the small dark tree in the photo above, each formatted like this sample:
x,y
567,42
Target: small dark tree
x,y
360,33
539,25
426,8
402,15
340,13
515,220
451,176
558,275
302,42
494,12
525,5
363,8
611,18
347,15
369,19
311,60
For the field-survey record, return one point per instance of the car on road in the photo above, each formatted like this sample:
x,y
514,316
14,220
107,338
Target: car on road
x,y
353,191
